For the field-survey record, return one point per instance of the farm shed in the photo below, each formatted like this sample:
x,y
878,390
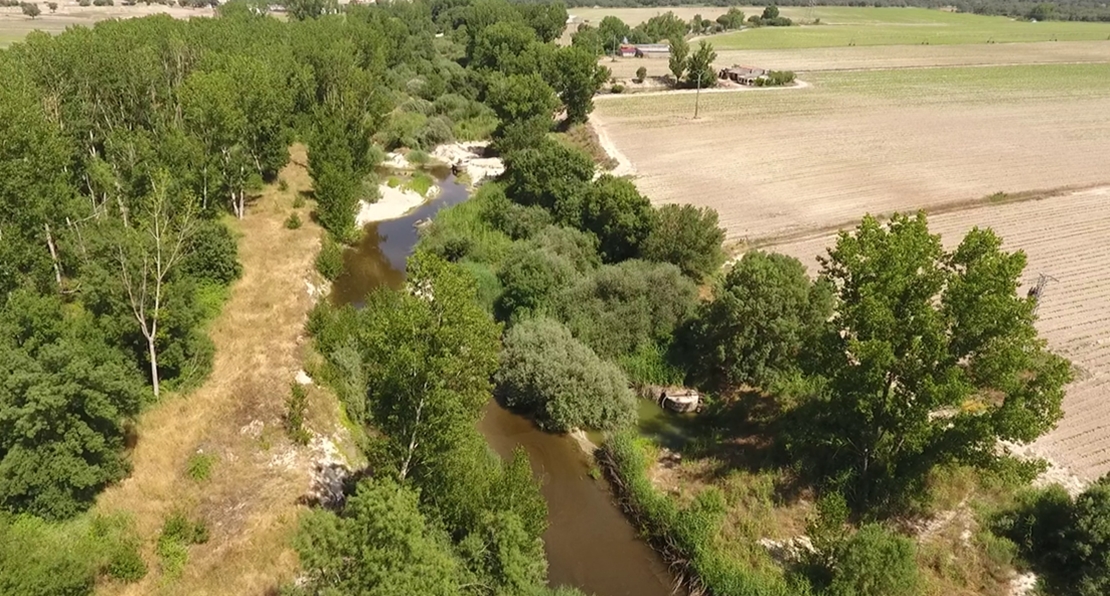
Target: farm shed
x,y
645,50
678,399
745,75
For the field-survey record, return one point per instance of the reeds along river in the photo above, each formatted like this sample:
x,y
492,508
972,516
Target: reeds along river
x,y
589,542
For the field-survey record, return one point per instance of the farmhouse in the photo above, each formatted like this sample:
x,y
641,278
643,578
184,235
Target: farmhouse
x,y
645,50
745,75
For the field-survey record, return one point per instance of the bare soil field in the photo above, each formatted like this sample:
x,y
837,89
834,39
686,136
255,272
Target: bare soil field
x,y
782,161
1065,237
14,26
884,57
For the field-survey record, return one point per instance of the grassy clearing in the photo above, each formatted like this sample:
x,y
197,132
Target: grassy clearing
x,y
248,498
908,26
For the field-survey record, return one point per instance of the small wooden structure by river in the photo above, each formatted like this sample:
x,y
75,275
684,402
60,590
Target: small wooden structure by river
x,y
677,399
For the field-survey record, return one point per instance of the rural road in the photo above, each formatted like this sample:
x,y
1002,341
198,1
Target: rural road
x,y
798,84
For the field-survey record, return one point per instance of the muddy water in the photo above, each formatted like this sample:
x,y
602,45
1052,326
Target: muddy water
x,y
589,542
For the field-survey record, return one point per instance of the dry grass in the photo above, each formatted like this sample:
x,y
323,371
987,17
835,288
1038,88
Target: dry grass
x,y
14,26
584,138
249,501
781,161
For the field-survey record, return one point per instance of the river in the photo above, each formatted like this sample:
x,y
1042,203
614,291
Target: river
x,y
589,542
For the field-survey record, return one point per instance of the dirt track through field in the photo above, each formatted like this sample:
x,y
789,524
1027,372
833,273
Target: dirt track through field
x,y
1065,237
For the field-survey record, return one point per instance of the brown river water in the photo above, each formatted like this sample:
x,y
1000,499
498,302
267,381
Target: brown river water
x,y
589,542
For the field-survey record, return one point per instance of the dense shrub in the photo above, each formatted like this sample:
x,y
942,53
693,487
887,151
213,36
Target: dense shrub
x,y
875,562
214,256
1067,541
688,237
516,220
329,262
764,313
576,246
462,232
551,175
563,383
531,278
617,309
619,216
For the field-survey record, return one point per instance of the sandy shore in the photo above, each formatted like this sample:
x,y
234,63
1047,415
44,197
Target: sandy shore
x,y
394,203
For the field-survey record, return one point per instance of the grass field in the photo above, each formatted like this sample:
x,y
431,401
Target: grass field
x,y
14,26
780,161
1065,237
909,26
887,57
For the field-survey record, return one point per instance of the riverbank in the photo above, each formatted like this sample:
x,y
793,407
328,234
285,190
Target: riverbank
x,y
394,202
248,498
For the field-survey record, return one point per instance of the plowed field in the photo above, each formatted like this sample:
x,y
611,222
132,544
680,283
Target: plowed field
x,y
1065,237
782,161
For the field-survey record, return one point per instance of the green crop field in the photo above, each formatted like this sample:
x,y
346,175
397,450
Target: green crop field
x,y
905,26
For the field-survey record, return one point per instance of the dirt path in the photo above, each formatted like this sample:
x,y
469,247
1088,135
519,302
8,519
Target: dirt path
x,y
624,165
249,501
798,84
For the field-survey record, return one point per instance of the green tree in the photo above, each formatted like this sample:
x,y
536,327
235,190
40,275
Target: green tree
x,y
578,79
64,400
563,383
733,19
621,309
619,216
700,67
688,237
429,353
531,278
502,552
300,10
1041,12
379,544
589,39
932,357
680,51
763,316
30,9
551,175
525,105
875,562
53,6
547,19
613,32
770,12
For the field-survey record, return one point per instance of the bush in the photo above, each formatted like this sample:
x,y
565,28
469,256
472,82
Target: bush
x,y
330,260
1066,541
295,408
618,309
875,562
461,232
199,466
563,383
620,217
530,280
214,255
293,222
616,88
298,201
641,74
178,533
84,3
688,237
103,3
283,185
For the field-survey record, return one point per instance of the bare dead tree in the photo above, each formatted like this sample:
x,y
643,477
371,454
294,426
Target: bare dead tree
x,y
147,255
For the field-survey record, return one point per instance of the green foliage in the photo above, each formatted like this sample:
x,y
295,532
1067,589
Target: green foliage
x,y
919,330
563,383
524,104
649,365
589,39
688,531
177,535
298,201
875,562
293,222
612,30
620,217
295,407
465,232
578,77
65,399
214,254
680,52
530,281
731,20
1067,541
618,309
30,9
552,176
43,559
688,237
699,67
380,543
765,313
776,78
330,260
199,466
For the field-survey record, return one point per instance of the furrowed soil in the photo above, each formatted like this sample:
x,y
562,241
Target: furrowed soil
x,y
1065,237
781,161
249,503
